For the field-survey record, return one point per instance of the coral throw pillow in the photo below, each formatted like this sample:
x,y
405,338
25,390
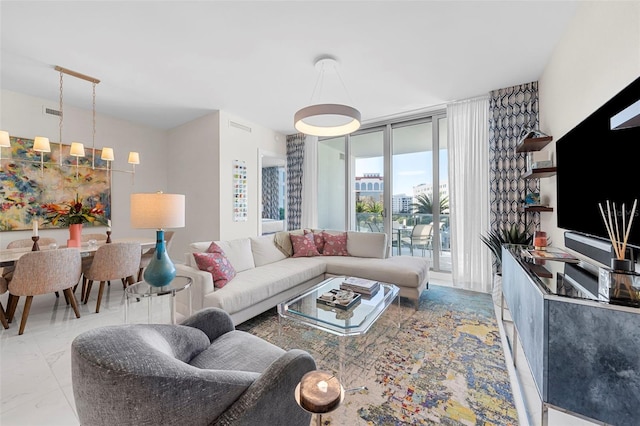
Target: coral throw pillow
x,y
303,245
318,239
215,262
335,245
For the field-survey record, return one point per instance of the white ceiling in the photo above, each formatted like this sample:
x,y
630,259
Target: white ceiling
x,y
164,63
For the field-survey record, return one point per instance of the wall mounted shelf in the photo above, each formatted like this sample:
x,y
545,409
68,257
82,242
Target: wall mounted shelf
x,y
533,144
537,209
539,173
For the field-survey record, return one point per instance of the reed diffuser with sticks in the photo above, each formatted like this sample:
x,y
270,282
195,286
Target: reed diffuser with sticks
x,y
621,279
618,240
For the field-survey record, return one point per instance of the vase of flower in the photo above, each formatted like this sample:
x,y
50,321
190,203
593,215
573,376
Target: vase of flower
x,y
73,214
75,235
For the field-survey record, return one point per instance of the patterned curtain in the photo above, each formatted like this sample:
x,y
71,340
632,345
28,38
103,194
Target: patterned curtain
x,y
295,164
511,111
270,193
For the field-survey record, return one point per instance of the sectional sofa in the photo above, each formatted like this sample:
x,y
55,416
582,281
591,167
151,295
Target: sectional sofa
x,y
267,273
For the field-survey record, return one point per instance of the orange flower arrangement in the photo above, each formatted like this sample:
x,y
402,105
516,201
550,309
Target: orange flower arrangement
x,y
73,213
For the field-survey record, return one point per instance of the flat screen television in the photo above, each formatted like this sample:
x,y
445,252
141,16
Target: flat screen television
x,y
596,164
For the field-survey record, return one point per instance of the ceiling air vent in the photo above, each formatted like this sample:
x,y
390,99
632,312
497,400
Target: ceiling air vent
x,y
51,111
239,126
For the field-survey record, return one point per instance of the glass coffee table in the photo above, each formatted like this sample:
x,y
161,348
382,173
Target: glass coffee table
x,y
355,321
306,309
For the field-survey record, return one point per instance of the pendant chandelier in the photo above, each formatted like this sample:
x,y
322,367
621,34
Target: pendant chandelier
x,y
327,119
41,144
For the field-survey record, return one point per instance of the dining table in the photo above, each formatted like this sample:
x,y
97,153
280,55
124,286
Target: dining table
x,y
9,256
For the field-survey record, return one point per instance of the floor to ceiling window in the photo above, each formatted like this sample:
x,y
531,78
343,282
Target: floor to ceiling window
x,y
393,178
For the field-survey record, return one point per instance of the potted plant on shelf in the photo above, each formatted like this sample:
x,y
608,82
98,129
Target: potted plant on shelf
x,y
496,238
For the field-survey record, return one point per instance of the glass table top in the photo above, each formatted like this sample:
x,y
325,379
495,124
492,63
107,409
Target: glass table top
x,y
356,320
143,289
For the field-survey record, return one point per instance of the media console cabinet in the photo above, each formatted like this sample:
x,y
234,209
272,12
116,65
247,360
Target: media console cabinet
x,y
584,354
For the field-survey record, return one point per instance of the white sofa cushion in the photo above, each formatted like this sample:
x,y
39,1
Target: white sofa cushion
x,y
265,251
367,244
255,285
403,271
239,253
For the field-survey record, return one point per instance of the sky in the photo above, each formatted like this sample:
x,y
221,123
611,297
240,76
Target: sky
x,y
409,170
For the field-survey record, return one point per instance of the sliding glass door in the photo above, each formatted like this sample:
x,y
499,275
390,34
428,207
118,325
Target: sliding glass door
x,y
366,171
420,199
390,178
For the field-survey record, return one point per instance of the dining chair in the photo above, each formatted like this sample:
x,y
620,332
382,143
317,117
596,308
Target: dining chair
x,y
7,271
421,236
28,242
146,257
86,260
112,262
88,237
42,272
3,289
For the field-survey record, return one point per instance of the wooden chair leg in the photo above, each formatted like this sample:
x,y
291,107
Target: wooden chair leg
x,y
140,274
66,298
57,294
12,304
84,288
100,296
25,314
3,318
72,298
88,291
124,282
131,280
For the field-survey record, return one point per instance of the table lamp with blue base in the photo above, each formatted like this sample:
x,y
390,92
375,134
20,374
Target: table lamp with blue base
x,y
158,211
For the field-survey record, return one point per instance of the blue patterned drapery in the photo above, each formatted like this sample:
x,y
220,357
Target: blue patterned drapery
x,y
511,111
295,164
270,193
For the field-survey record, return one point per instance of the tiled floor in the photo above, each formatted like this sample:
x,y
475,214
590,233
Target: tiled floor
x,y
35,368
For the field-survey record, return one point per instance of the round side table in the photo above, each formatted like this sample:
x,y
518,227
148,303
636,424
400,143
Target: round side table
x,y
142,290
318,414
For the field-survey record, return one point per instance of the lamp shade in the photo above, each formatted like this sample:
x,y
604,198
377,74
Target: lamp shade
x,y
327,120
77,149
107,154
4,139
157,210
134,158
41,144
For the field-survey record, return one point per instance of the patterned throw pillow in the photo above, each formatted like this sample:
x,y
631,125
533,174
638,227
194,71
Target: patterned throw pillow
x,y
303,246
318,239
215,262
335,244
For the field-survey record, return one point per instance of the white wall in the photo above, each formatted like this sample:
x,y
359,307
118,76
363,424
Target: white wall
x,y
243,144
201,156
193,169
22,116
597,57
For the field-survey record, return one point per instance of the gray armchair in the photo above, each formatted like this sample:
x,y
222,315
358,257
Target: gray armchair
x,y
202,372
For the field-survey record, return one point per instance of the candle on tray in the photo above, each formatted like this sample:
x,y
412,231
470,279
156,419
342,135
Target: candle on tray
x,y
35,228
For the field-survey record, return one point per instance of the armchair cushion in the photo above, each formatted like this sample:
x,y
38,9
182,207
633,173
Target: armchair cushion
x,y
223,355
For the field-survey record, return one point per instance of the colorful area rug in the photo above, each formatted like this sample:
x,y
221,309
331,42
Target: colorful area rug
x,y
441,364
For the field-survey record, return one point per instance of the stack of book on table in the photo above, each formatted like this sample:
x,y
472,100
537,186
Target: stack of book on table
x,y
360,285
